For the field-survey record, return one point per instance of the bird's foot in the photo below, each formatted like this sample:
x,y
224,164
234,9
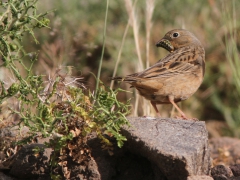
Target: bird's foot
x,y
184,117
158,115
194,119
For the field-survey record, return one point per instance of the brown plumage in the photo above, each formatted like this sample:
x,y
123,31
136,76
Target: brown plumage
x,y
175,77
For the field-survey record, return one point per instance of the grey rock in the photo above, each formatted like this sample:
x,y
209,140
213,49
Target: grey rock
x,y
179,148
199,178
221,177
31,164
234,178
157,149
235,169
5,177
122,165
13,131
221,170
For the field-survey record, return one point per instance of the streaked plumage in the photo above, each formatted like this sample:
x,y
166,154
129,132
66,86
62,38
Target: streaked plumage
x,y
175,77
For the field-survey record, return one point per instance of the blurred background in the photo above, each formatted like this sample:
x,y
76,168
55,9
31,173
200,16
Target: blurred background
x,y
75,40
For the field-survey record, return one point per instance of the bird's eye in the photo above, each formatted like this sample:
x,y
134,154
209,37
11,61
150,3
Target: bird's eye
x,y
175,34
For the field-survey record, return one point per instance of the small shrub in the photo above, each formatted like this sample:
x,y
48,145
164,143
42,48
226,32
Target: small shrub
x,y
59,107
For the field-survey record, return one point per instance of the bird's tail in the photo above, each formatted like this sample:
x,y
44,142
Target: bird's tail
x,y
117,78
127,79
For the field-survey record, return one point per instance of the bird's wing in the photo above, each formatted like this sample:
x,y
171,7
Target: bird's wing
x,y
178,62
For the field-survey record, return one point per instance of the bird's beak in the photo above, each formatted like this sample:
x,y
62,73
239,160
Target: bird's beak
x,y
166,44
158,44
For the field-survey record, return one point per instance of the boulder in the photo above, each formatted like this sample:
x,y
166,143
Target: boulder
x,y
156,149
179,148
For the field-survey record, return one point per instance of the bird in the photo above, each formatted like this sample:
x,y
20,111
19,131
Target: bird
x,y
175,77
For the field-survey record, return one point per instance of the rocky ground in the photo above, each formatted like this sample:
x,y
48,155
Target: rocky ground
x,y
157,149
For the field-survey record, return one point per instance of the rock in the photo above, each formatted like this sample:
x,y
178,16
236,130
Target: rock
x,y
157,149
199,178
220,177
31,164
234,178
222,171
13,131
122,164
179,148
235,169
87,171
5,177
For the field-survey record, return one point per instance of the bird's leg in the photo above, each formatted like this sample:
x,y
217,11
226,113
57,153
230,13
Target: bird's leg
x,y
171,99
155,108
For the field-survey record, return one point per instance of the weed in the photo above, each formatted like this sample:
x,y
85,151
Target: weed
x,y
57,106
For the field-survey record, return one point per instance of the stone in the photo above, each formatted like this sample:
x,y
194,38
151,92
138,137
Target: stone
x,y
5,177
156,149
179,148
29,163
199,178
221,170
235,169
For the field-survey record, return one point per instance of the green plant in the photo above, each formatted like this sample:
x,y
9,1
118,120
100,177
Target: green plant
x,y
58,106
109,114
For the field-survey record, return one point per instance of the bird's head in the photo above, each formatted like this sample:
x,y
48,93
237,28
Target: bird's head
x,y
176,39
